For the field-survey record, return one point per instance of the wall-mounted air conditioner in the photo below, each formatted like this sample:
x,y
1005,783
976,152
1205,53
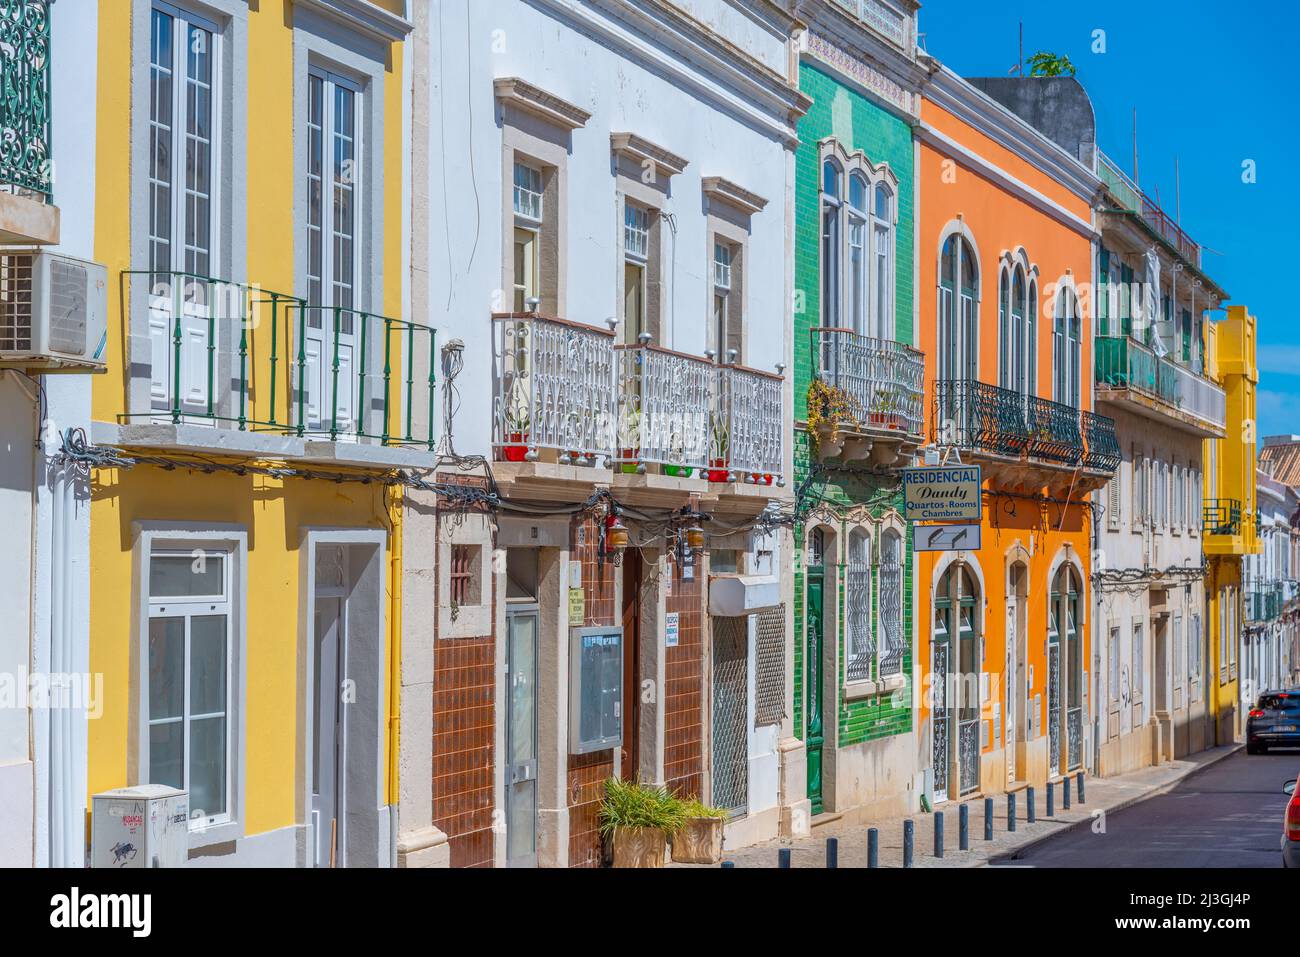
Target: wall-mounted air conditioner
x,y
53,312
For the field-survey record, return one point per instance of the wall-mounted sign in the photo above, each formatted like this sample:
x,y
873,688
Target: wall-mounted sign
x,y
946,538
672,628
943,493
577,606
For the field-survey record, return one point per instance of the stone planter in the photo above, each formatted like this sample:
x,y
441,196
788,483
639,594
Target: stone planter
x,y
639,846
699,842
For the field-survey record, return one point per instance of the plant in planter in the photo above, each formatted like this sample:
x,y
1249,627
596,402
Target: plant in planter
x,y
718,456
638,820
700,839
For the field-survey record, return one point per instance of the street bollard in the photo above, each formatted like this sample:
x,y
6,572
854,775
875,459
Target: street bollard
x,y
832,852
1029,805
1065,794
873,847
1011,813
728,863
1080,779
1051,799
783,857
963,829
938,834
988,819
907,843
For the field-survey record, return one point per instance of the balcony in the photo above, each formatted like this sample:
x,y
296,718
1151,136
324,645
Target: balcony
x,y
1023,441
1156,219
1264,601
27,212
232,368
572,406
1228,528
1158,388
866,403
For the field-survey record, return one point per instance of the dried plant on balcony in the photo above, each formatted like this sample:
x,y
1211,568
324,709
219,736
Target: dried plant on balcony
x,y
828,408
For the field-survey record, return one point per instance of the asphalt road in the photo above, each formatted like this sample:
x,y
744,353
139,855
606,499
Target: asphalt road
x,y
1229,815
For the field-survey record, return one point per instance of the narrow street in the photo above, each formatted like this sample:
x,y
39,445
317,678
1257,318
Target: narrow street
x,y
1229,815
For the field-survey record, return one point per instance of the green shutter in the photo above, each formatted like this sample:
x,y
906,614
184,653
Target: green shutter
x,y
1103,284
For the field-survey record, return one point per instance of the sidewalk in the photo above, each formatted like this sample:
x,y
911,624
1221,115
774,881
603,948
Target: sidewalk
x,y
1103,794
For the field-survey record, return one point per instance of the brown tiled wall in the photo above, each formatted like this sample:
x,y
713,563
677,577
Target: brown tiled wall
x,y
464,698
588,772
684,688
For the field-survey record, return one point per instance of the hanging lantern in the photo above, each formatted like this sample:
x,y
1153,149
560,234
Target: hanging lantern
x,y
695,537
615,534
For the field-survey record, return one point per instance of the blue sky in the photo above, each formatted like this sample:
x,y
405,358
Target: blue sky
x,y
1214,85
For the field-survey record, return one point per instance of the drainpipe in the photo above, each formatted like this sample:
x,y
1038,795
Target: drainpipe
x,y
395,507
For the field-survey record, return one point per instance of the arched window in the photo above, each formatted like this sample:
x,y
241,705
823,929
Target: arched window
x,y
1031,315
857,287
858,256
861,649
817,548
1064,672
832,186
954,692
1004,329
958,310
1066,332
882,231
1018,332
892,644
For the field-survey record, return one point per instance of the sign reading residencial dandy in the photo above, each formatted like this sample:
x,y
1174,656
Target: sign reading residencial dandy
x,y
943,493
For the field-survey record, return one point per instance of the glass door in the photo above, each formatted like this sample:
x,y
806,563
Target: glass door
x,y
521,735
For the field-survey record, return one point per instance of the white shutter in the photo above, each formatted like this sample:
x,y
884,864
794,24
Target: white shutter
x,y
1114,498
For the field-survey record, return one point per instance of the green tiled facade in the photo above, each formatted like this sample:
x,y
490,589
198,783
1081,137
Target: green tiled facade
x,y
858,123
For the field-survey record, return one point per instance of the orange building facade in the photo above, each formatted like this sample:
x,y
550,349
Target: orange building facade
x,y
1005,247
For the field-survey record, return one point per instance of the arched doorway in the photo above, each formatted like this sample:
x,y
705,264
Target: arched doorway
x,y
1064,673
1014,679
954,684
815,627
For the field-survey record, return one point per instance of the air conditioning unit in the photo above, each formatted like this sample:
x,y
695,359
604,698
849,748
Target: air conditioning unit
x,y
143,826
53,312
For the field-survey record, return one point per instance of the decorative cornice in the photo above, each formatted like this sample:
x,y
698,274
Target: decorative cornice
x,y
641,150
989,117
364,16
533,99
973,161
658,35
725,191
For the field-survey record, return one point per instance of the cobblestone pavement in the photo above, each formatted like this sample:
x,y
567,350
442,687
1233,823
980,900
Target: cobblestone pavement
x,y
1102,795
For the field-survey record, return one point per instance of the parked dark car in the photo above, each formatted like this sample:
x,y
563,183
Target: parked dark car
x,y
1274,722
1291,827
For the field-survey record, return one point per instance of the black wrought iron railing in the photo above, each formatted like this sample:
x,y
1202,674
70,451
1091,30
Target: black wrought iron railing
x,y
1222,516
1101,451
1054,431
26,158
980,417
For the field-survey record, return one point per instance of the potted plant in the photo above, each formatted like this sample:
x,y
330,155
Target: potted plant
x,y
629,453
637,820
718,471
517,423
700,839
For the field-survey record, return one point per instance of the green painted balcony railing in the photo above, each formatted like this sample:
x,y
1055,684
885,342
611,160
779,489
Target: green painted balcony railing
x,y
1264,603
1124,363
1222,516
235,355
26,158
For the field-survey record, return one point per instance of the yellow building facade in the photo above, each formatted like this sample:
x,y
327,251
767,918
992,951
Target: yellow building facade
x,y
1230,526
263,395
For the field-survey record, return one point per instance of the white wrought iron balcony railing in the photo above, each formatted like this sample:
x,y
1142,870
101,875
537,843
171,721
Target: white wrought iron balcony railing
x,y
664,409
749,426
881,379
555,389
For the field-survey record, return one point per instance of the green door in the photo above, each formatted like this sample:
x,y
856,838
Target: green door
x,y
813,671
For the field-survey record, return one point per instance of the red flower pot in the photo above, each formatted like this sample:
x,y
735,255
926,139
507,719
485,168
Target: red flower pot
x,y
516,451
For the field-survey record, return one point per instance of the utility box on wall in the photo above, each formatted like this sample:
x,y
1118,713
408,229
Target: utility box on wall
x,y
144,826
595,689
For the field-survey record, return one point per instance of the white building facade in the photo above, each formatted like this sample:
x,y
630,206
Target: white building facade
x,y
602,208
1271,613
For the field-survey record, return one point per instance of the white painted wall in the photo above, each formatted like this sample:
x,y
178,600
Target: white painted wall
x,y
629,85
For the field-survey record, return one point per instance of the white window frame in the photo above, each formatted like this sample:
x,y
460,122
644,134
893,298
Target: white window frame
x,y
861,564
890,529
883,321
179,124
153,538
329,276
